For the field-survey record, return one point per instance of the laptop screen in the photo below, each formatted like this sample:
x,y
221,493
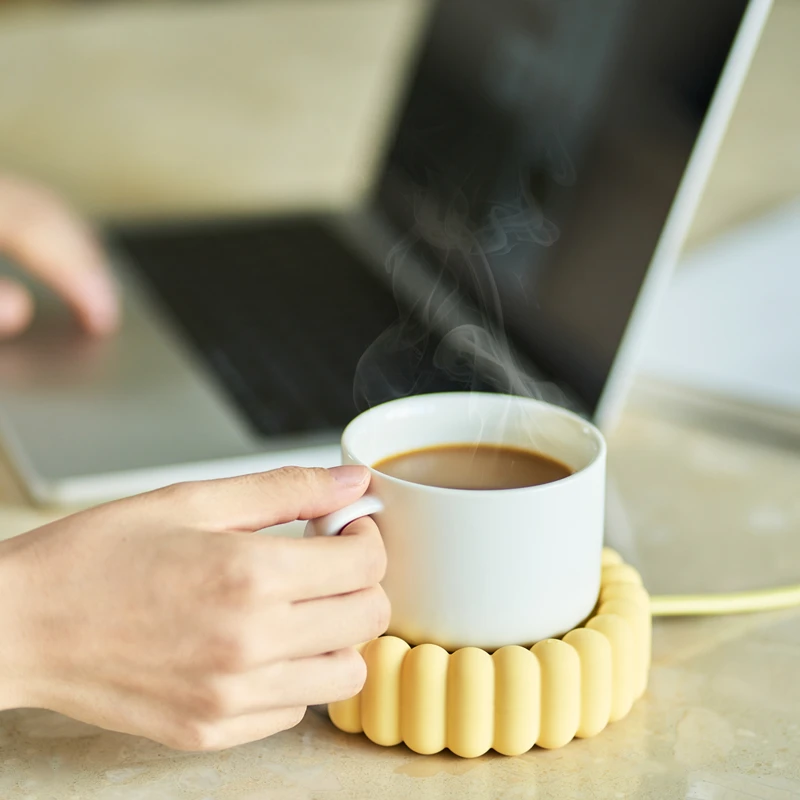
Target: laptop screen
x,y
538,154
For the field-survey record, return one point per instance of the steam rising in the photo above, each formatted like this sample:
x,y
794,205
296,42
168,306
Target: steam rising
x,y
451,319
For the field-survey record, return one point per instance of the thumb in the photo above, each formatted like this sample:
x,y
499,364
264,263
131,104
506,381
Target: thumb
x,y
260,500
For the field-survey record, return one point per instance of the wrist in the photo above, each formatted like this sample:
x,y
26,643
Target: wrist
x,y
19,673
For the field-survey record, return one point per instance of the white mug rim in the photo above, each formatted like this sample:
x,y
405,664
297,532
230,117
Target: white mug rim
x,y
598,457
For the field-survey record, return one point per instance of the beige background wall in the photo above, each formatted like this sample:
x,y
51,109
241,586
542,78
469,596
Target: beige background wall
x,y
135,107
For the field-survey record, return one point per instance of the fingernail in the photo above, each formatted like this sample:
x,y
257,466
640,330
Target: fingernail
x,y
16,308
350,474
103,311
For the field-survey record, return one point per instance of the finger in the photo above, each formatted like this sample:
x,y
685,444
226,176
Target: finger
x,y
38,231
317,680
313,681
334,623
253,502
132,713
325,566
16,309
220,735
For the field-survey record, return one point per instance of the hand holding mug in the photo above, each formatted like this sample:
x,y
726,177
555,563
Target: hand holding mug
x,y
164,615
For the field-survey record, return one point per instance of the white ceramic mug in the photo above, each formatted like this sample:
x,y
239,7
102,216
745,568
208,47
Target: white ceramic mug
x,y
484,568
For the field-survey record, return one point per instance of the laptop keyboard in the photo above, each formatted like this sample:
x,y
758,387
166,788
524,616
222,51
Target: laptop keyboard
x,y
281,313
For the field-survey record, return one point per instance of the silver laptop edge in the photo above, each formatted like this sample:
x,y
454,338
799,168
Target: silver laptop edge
x,y
682,211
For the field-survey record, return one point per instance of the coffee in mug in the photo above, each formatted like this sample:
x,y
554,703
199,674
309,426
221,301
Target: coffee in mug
x,y
473,466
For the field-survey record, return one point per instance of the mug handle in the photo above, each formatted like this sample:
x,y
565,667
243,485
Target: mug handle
x,y
334,523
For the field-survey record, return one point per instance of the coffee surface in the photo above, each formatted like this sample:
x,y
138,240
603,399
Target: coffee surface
x,y
470,466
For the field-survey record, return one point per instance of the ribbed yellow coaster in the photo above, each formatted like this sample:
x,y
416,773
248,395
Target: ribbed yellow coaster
x,y
470,701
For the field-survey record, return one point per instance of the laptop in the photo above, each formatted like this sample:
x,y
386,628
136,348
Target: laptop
x,y
542,171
